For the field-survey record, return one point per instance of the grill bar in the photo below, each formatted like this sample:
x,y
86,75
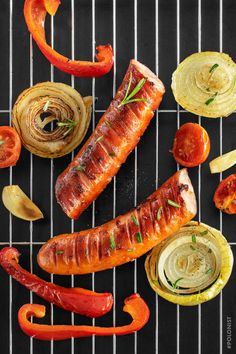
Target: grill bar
x,y
31,183
199,174
10,170
35,243
114,180
72,154
51,186
157,150
221,151
93,126
136,156
178,125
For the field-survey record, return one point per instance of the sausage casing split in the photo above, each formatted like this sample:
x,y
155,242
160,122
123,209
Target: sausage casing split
x,y
126,237
115,136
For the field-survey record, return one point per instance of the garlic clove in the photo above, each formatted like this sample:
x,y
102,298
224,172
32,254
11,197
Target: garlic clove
x,y
17,202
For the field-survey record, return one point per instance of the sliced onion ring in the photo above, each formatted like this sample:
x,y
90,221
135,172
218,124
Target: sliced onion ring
x,y
49,102
204,84
190,267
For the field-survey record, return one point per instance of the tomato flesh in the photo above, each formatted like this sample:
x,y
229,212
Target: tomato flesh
x,y
191,145
51,6
225,195
10,146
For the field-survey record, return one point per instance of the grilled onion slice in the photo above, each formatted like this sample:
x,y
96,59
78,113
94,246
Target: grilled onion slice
x,y
190,267
223,162
45,104
204,84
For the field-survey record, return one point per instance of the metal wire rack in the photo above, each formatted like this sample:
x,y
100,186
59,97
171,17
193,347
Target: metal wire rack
x,y
160,34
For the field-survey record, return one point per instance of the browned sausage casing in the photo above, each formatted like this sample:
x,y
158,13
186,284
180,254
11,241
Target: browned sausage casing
x,y
121,240
115,136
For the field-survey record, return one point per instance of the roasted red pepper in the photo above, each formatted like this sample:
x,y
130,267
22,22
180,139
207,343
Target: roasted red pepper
x,y
78,300
35,12
134,305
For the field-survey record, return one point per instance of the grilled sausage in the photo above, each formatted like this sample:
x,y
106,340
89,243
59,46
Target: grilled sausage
x,y
126,237
115,136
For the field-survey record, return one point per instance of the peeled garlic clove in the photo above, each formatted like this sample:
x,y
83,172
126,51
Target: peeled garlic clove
x,y
17,202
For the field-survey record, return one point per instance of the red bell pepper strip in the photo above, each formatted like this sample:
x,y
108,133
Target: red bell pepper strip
x,y
35,12
78,300
134,305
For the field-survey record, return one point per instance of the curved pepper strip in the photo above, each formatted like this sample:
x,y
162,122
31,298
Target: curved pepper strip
x,y
134,305
35,12
78,300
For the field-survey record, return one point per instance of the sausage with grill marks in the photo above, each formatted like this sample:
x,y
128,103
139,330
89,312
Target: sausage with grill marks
x,y
115,136
126,237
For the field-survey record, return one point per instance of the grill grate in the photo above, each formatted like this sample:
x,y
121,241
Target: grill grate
x,y
160,34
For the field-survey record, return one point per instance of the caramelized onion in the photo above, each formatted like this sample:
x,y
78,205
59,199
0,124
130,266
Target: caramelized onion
x,y
190,267
223,162
58,107
204,84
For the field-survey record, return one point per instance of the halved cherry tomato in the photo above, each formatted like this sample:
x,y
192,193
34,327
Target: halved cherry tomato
x,y
191,145
51,6
225,195
10,146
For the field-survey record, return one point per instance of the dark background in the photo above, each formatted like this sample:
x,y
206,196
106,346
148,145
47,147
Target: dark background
x,y
159,34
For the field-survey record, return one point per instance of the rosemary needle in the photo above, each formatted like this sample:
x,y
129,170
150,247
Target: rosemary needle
x,y
128,98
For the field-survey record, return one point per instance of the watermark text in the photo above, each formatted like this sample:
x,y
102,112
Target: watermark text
x,y
229,332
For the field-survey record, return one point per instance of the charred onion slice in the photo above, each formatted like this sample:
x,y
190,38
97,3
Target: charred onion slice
x,y
223,162
192,266
57,106
204,83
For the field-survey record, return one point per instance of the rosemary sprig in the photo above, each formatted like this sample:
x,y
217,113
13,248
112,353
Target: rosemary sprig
x,y
86,252
159,213
172,203
208,271
68,123
215,66
108,123
135,221
45,107
211,99
112,242
59,252
79,168
203,233
175,284
194,239
98,139
139,237
128,98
